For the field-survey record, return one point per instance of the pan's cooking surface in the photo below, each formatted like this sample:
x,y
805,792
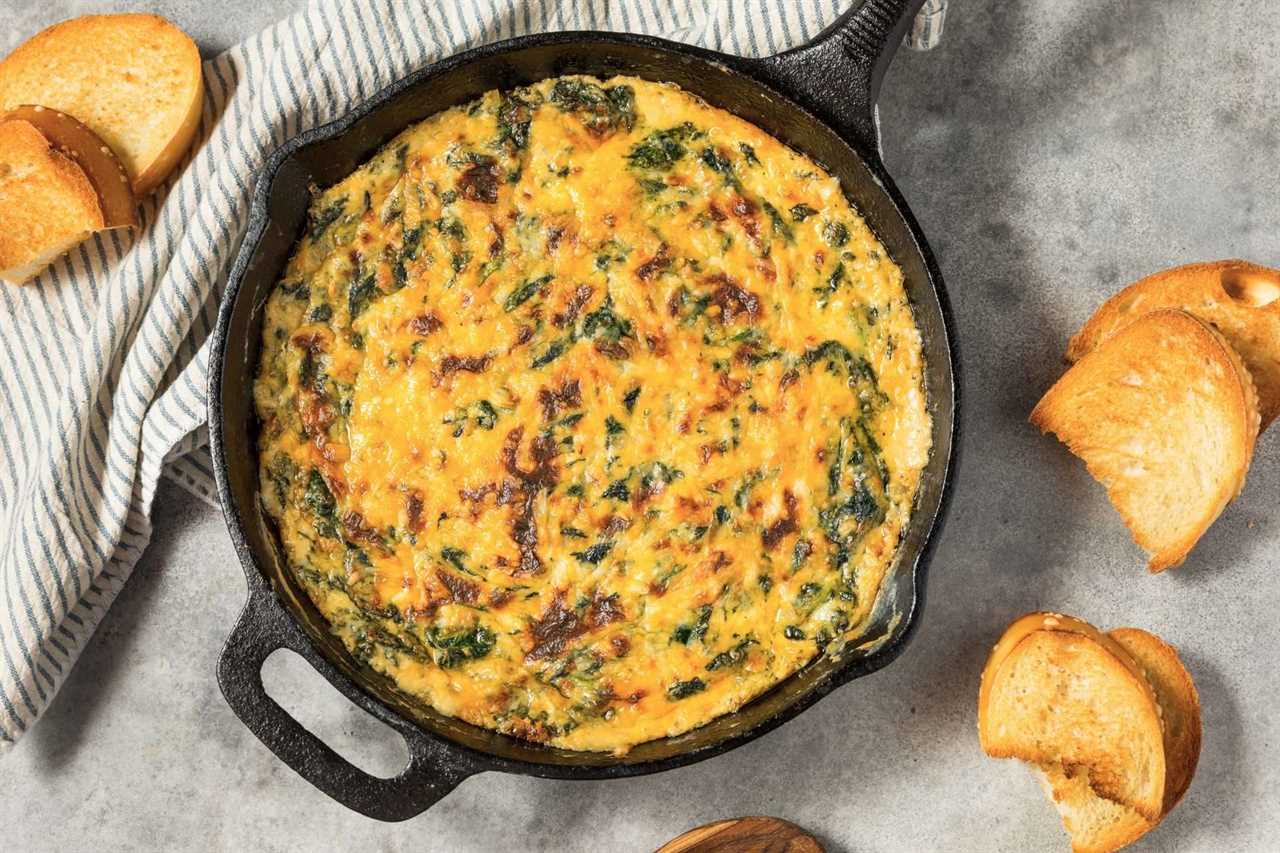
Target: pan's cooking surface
x,y
590,412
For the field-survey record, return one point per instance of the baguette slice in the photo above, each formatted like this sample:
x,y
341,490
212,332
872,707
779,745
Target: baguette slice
x,y
134,79
1179,707
1241,300
47,203
1164,415
100,164
1056,692
1099,825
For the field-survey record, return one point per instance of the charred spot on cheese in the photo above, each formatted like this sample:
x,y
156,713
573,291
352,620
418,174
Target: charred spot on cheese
x,y
589,412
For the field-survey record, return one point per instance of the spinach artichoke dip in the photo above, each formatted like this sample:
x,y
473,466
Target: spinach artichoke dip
x,y
589,412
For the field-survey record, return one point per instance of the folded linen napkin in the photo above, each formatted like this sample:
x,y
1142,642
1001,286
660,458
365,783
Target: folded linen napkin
x,y
103,358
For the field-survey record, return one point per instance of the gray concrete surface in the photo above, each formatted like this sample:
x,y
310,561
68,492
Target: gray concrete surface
x,y
1053,151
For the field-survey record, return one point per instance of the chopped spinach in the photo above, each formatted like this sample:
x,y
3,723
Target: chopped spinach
x,y
410,240
601,110
857,483
714,160
606,323
361,293
297,289
320,502
801,212
660,150
455,556
322,218
458,647
618,491
629,399
322,313
554,350
835,233
732,657
595,553
685,689
695,630
838,276
515,113
780,226
525,292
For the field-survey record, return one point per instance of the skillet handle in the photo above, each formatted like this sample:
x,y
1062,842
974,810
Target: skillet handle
x,y
430,774
837,76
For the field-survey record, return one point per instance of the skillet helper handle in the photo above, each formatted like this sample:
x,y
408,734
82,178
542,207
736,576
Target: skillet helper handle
x,y
429,775
837,76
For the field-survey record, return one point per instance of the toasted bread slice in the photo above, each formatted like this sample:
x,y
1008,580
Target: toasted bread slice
x,y
1165,416
47,203
134,79
1179,706
100,164
1241,300
1099,825
1057,692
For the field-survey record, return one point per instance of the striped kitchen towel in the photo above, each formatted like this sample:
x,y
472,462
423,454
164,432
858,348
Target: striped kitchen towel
x,y
103,358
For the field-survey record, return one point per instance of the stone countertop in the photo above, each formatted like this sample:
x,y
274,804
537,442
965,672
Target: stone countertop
x,y
1053,151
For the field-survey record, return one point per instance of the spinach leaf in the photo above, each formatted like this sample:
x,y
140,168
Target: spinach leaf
x,y
323,217
731,657
458,647
618,491
661,149
696,630
780,226
361,294
629,399
685,689
595,553
515,113
554,350
456,557
525,292
801,212
320,502
835,233
602,111
606,323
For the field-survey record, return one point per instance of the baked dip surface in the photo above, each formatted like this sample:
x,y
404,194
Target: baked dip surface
x,y
589,412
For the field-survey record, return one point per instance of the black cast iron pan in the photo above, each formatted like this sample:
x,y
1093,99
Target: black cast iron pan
x,y
819,99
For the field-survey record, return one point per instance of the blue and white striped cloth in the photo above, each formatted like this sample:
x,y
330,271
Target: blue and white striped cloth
x,y
103,357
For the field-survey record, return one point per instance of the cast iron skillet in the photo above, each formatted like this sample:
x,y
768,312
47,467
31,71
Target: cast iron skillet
x,y
819,99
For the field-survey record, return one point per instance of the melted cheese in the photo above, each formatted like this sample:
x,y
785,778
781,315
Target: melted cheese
x,y
590,412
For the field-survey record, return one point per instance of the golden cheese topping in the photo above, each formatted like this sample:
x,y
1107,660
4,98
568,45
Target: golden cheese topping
x,y
590,412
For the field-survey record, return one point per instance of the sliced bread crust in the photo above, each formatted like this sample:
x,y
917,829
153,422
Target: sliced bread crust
x,y
133,79
47,203
1241,300
1164,415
